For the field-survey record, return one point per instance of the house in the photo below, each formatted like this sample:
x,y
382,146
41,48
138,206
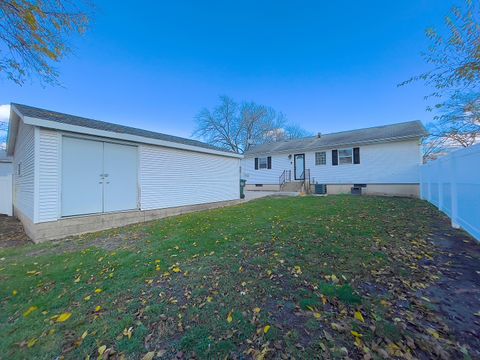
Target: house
x,y
74,175
5,184
5,163
379,160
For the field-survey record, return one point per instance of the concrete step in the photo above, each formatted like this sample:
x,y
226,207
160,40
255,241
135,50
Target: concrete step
x,y
291,187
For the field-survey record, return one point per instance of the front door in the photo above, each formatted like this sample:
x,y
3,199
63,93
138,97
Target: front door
x,y
299,166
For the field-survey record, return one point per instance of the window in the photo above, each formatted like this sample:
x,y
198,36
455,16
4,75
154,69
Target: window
x,y
19,169
262,163
320,158
345,156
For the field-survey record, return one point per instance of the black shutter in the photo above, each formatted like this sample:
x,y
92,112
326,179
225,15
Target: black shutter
x,y
269,162
256,163
334,157
356,155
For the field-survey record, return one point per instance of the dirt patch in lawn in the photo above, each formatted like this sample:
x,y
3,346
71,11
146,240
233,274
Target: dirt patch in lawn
x,y
12,233
457,293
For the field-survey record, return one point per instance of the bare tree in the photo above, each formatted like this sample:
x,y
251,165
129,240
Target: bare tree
x,y
457,125
236,127
454,58
34,36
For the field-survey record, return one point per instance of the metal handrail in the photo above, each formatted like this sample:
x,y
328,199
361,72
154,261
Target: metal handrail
x,y
285,177
281,179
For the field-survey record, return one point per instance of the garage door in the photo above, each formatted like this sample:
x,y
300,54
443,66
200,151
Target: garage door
x,y
97,177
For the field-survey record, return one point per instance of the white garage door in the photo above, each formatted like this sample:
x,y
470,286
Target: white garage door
x,y
97,177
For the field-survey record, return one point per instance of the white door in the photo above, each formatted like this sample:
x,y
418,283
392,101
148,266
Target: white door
x,y
120,177
82,169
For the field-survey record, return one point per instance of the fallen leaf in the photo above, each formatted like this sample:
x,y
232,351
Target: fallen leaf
x,y
128,332
32,342
63,317
87,298
359,316
266,329
14,292
256,310
149,355
98,291
30,310
102,349
229,317
98,308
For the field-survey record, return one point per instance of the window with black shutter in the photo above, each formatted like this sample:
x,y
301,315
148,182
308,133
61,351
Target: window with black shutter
x,y
356,155
256,163
269,162
334,157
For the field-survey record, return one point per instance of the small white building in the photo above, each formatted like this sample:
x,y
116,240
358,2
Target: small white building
x,y
382,160
73,175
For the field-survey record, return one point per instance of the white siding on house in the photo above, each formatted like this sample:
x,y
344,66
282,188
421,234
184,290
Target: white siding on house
x,y
24,161
388,163
171,177
266,176
48,175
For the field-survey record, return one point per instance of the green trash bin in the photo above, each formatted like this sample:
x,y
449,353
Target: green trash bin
x,y
242,186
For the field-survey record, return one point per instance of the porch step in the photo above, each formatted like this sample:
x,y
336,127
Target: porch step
x,y
292,186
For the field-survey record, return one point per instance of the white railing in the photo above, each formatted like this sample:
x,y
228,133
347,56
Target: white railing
x,y
452,184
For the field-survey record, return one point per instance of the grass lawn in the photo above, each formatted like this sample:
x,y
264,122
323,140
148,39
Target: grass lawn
x,y
310,277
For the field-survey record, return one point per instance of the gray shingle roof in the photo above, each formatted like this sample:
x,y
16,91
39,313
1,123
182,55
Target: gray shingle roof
x,y
378,134
38,113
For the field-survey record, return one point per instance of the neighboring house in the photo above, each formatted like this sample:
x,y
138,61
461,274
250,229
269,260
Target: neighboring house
x,y
5,163
381,160
5,183
74,175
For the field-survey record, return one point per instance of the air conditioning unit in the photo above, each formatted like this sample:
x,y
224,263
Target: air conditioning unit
x,y
320,189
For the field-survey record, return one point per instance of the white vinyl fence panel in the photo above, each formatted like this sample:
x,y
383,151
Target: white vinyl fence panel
x,y
6,194
452,184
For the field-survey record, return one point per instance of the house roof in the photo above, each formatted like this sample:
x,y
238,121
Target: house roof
x,y
77,121
4,158
377,134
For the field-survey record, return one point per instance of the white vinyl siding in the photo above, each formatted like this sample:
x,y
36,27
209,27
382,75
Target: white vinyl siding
x,y
24,169
48,175
271,176
388,163
172,177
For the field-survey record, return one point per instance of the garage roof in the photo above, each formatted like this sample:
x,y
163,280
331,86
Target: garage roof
x,y
378,134
67,119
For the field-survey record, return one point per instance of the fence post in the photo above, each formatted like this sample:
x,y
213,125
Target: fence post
x,y
454,191
440,177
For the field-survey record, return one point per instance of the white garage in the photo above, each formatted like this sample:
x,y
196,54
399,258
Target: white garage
x,y
74,175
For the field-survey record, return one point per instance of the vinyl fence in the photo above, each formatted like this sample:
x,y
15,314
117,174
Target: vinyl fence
x,y
452,184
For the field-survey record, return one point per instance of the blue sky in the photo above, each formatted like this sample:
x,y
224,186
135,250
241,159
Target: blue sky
x,y
327,65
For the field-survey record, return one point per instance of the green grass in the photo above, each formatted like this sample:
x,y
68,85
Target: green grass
x,y
290,257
